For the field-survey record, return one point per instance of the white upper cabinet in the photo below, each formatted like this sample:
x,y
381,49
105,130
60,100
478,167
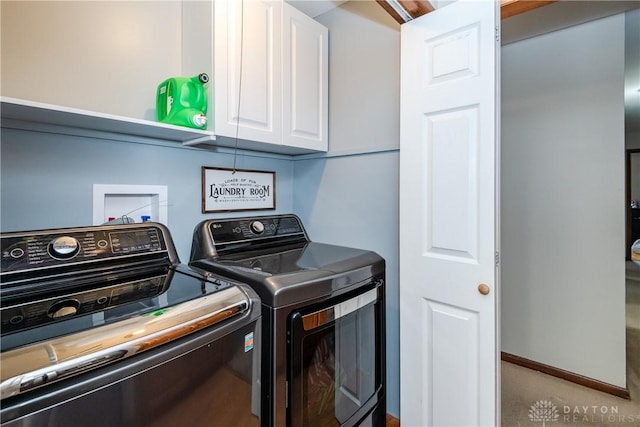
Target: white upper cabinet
x,y
266,61
271,66
305,81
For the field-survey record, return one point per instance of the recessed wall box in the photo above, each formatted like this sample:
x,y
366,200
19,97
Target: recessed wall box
x,y
118,202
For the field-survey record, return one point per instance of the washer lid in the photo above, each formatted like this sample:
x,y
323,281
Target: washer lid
x,y
39,364
28,322
291,274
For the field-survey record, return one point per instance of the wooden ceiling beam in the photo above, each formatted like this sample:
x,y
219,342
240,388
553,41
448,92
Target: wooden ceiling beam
x,y
417,8
391,11
414,8
509,8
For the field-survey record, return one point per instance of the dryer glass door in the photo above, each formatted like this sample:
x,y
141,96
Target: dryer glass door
x,y
335,361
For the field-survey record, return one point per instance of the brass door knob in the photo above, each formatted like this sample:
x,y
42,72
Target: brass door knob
x,y
484,289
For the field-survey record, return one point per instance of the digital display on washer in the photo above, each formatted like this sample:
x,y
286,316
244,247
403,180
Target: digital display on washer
x,y
135,240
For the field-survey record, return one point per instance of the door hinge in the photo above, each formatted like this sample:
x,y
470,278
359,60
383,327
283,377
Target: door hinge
x,y
497,258
497,34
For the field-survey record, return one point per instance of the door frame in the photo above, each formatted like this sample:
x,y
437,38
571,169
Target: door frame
x,y
627,206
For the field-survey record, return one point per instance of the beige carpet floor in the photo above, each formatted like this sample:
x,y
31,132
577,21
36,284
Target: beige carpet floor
x,y
531,398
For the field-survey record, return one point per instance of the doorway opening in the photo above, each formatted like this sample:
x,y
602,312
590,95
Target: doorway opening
x,y
588,213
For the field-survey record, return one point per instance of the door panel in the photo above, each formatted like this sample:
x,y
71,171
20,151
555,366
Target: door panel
x,y
248,69
453,55
451,142
453,340
448,217
305,81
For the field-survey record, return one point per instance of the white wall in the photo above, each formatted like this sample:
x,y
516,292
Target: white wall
x,y
351,197
563,272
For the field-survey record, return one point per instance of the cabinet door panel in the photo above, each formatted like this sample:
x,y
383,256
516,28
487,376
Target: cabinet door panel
x,y
248,70
305,80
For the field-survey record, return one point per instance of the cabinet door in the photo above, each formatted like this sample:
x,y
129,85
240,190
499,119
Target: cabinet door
x,y
305,81
248,70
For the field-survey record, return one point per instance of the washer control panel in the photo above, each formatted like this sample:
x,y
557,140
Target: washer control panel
x,y
22,252
242,229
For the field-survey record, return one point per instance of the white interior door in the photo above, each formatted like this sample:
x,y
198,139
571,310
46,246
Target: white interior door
x,y
448,217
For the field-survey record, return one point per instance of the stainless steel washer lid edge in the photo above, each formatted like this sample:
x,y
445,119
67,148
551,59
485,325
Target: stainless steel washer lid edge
x,y
284,289
42,363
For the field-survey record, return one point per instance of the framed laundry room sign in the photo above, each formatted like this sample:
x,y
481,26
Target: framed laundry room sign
x,y
226,190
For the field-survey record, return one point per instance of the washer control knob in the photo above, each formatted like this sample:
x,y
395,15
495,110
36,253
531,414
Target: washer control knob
x,y
63,308
257,227
64,247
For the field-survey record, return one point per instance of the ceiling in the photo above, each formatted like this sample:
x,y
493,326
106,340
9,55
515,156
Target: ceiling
x,y
314,8
412,8
517,25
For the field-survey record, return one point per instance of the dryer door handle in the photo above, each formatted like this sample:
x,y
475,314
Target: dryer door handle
x,y
330,314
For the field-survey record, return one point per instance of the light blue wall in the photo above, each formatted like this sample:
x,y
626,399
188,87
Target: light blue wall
x,y
353,201
47,180
350,197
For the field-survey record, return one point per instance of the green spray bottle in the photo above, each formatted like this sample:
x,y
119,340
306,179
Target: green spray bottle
x,y
182,101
